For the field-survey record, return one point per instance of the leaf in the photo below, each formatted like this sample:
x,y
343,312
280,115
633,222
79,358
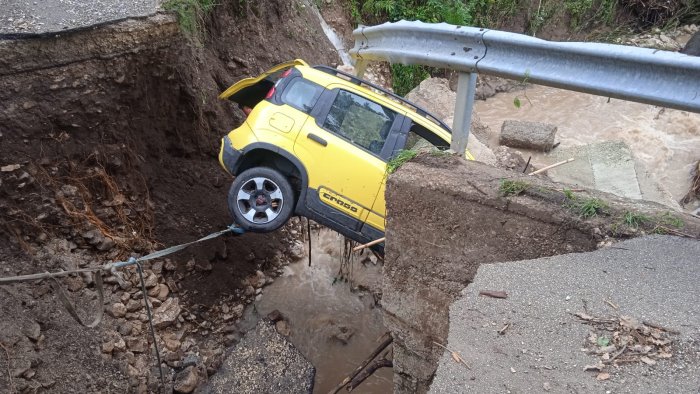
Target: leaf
x,y
603,376
516,102
603,341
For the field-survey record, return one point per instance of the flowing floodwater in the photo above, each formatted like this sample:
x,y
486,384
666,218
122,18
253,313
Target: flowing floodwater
x,y
317,309
666,141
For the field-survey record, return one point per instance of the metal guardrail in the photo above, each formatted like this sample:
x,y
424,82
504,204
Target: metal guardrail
x,y
668,79
663,78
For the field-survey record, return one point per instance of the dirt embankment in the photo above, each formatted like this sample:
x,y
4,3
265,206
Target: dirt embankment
x,y
109,139
477,214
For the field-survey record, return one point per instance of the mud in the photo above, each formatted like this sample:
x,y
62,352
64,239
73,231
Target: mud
x,y
109,140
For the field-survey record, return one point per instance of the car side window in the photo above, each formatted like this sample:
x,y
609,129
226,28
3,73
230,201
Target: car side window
x,y
302,94
359,120
420,138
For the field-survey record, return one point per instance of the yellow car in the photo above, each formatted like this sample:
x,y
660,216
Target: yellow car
x,y
315,143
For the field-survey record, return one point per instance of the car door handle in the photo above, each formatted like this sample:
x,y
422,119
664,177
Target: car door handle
x,y
315,138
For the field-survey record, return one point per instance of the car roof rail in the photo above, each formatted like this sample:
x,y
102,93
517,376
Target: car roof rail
x,y
358,81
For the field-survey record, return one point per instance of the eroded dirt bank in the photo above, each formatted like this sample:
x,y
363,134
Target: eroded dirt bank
x,y
448,216
108,148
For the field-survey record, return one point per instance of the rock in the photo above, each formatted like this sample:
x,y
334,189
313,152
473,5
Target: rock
x,y
204,266
275,316
693,46
105,244
163,292
20,367
509,159
125,328
119,344
10,167
32,330
297,251
107,347
74,283
136,345
186,380
283,328
249,290
528,135
133,305
172,344
117,310
151,281
343,334
169,265
167,313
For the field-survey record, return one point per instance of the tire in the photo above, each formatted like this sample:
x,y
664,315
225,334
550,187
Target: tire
x,y
261,199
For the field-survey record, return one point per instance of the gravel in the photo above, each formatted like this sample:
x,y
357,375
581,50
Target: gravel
x,y
19,17
651,278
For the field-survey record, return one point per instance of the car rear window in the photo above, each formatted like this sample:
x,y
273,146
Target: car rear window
x,y
302,94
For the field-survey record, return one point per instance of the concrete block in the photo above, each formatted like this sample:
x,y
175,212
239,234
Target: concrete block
x,y
528,135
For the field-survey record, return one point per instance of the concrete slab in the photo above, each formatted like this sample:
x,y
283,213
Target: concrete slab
x,y
652,278
19,17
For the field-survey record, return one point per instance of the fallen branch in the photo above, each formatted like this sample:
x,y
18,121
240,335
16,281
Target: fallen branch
x,y
386,342
368,244
377,364
541,170
493,293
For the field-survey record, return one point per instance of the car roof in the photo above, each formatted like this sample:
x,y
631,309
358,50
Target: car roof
x,y
328,75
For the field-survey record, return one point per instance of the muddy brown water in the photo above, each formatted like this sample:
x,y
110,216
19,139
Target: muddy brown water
x,y
316,309
666,141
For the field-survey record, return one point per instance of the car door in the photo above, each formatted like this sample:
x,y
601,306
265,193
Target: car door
x,y
344,147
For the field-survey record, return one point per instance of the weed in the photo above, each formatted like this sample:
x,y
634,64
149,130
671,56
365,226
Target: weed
x,y
545,11
590,207
635,220
668,219
405,78
569,194
512,188
397,161
190,15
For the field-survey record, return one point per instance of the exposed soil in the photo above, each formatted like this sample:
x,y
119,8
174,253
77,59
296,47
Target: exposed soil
x,y
109,144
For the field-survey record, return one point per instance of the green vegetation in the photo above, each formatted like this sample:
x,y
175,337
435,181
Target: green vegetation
x,y
585,12
634,220
590,207
569,194
405,78
668,219
190,15
397,161
512,188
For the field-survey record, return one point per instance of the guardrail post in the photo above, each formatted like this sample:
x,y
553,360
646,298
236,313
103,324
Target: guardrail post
x,y
360,68
466,89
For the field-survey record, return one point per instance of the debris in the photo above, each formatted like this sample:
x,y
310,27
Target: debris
x,y
528,135
186,380
10,167
624,340
502,331
512,370
603,376
167,313
493,293
455,355
546,386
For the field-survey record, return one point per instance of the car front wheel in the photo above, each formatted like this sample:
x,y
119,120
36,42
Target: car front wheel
x,y
261,199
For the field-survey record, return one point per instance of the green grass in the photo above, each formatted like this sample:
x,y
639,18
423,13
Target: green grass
x,y
512,188
589,207
397,161
670,220
190,14
569,194
634,220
